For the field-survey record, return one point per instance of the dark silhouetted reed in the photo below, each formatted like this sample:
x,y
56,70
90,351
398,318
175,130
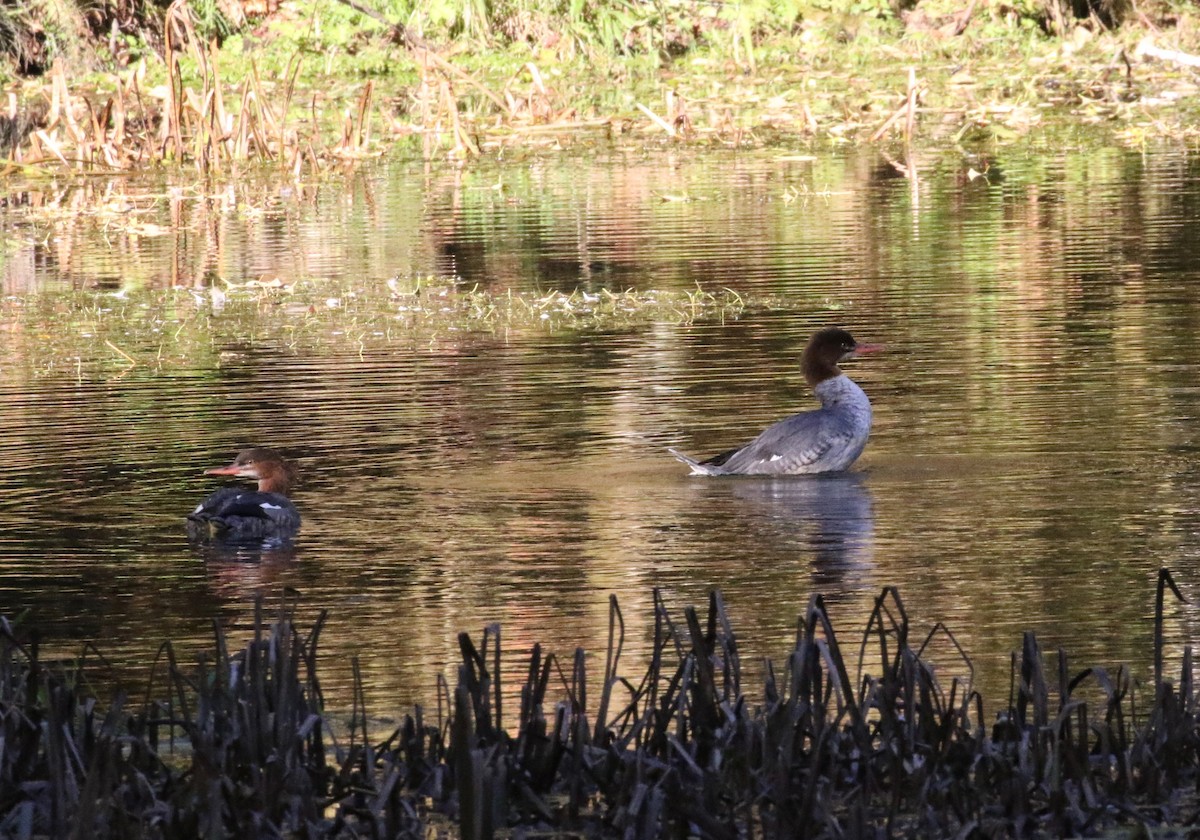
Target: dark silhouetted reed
x,y
237,746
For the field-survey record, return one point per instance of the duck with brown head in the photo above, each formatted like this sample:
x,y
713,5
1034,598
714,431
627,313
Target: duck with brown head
x,y
828,439
234,514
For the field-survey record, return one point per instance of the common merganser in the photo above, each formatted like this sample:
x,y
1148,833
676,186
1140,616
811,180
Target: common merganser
x,y
828,439
235,515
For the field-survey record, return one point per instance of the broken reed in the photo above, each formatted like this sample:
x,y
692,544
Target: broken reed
x,y
239,746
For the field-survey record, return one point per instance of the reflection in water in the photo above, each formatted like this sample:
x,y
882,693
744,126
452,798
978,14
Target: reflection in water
x,y
829,515
1033,460
805,533
268,550
244,576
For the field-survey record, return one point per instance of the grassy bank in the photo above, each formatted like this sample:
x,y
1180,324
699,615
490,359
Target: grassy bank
x,y
242,746
316,83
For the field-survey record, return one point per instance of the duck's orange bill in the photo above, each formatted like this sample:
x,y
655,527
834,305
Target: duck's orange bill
x,y
869,348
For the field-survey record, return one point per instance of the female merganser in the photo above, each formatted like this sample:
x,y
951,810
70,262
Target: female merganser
x,y
828,439
233,515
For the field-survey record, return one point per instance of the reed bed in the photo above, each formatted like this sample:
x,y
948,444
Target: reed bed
x,y
200,118
184,104
238,746
210,124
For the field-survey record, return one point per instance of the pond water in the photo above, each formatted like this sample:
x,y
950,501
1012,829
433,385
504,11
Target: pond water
x,y
1035,456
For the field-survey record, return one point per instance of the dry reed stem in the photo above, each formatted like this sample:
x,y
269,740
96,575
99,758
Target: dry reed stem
x,y
196,125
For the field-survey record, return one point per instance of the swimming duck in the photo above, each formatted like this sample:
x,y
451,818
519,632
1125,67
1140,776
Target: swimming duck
x,y
233,514
827,439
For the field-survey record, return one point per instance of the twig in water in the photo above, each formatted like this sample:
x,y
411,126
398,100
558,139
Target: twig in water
x,y
657,120
910,103
132,361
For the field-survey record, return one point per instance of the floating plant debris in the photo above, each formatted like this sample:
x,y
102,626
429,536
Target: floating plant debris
x,y
189,328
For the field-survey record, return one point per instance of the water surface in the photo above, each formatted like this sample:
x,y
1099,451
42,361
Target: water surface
x,y
1034,459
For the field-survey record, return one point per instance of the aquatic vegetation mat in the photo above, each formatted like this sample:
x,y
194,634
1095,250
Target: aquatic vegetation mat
x,y
85,332
239,745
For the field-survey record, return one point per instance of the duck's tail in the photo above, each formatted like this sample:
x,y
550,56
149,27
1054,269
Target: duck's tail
x,y
697,467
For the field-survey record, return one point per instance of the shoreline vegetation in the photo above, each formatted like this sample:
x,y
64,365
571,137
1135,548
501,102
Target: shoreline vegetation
x,y
240,745
312,84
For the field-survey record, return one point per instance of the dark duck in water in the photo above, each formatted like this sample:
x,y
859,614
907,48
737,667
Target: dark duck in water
x,y
827,439
234,514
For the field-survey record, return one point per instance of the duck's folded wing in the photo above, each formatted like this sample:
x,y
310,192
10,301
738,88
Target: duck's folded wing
x,y
787,447
279,509
229,502
216,504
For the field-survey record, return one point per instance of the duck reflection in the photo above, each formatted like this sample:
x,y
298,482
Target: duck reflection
x,y
830,515
244,551
236,572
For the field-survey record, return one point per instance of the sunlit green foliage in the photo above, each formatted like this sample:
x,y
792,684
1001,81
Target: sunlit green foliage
x,y
459,78
33,33
211,21
327,37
